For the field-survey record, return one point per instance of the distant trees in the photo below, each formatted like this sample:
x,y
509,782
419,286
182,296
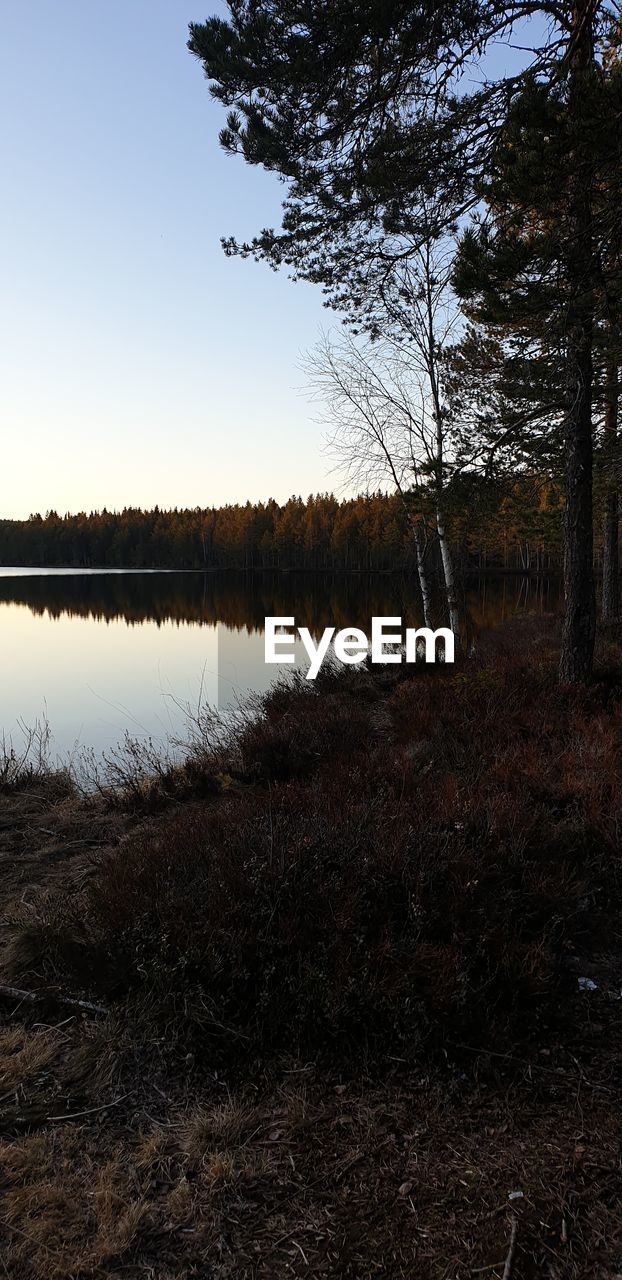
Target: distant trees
x,y
515,525
366,110
318,533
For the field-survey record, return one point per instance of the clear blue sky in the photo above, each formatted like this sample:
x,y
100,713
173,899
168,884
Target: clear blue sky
x,y
137,364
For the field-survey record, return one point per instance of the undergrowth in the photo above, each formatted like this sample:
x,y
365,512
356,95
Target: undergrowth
x,y
374,863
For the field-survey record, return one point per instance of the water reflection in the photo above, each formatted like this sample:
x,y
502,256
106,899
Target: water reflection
x,y
242,601
98,654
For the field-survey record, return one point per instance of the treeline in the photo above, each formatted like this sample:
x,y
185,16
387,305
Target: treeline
x,y
519,530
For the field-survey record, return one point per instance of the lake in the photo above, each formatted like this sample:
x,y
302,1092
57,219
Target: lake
x,y
96,654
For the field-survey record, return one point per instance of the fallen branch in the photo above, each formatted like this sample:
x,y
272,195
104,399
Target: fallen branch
x,y
509,1262
38,997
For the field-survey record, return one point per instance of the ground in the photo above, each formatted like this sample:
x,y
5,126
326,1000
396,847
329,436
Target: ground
x,y
302,1173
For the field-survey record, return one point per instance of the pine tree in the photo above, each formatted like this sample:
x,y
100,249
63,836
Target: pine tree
x,y
363,108
518,287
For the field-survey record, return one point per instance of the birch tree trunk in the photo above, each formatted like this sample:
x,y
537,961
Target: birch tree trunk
x,y
450,579
432,363
422,571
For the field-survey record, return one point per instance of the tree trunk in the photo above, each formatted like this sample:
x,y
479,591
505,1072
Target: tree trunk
x,y
422,571
435,388
579,626
450,580
580,609
611,590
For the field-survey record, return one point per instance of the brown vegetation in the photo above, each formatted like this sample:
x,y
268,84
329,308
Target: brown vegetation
x,y
389,860
345,1018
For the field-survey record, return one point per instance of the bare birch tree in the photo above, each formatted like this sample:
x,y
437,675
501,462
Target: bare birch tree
x,y
384,402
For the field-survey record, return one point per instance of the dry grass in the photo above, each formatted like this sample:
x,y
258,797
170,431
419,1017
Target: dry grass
x,y
24,1055
335,1176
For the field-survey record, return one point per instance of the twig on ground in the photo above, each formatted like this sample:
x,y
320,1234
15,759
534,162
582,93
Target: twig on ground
x,y
509,1262
74,1115
37,997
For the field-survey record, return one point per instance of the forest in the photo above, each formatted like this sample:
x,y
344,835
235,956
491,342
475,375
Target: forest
x,y
518,528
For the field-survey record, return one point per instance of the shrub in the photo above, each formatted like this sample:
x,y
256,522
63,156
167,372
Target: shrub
x,y
421,862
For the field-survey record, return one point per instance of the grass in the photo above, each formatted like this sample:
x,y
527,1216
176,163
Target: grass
x,y
317,1174
29,763
341,950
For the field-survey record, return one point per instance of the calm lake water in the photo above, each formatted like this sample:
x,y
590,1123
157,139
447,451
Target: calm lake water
x,y
98,654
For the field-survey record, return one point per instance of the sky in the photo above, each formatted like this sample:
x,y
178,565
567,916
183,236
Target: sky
x,y
138,365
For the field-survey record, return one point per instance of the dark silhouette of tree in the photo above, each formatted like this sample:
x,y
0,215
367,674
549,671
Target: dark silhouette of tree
x,y
365,109
512,271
